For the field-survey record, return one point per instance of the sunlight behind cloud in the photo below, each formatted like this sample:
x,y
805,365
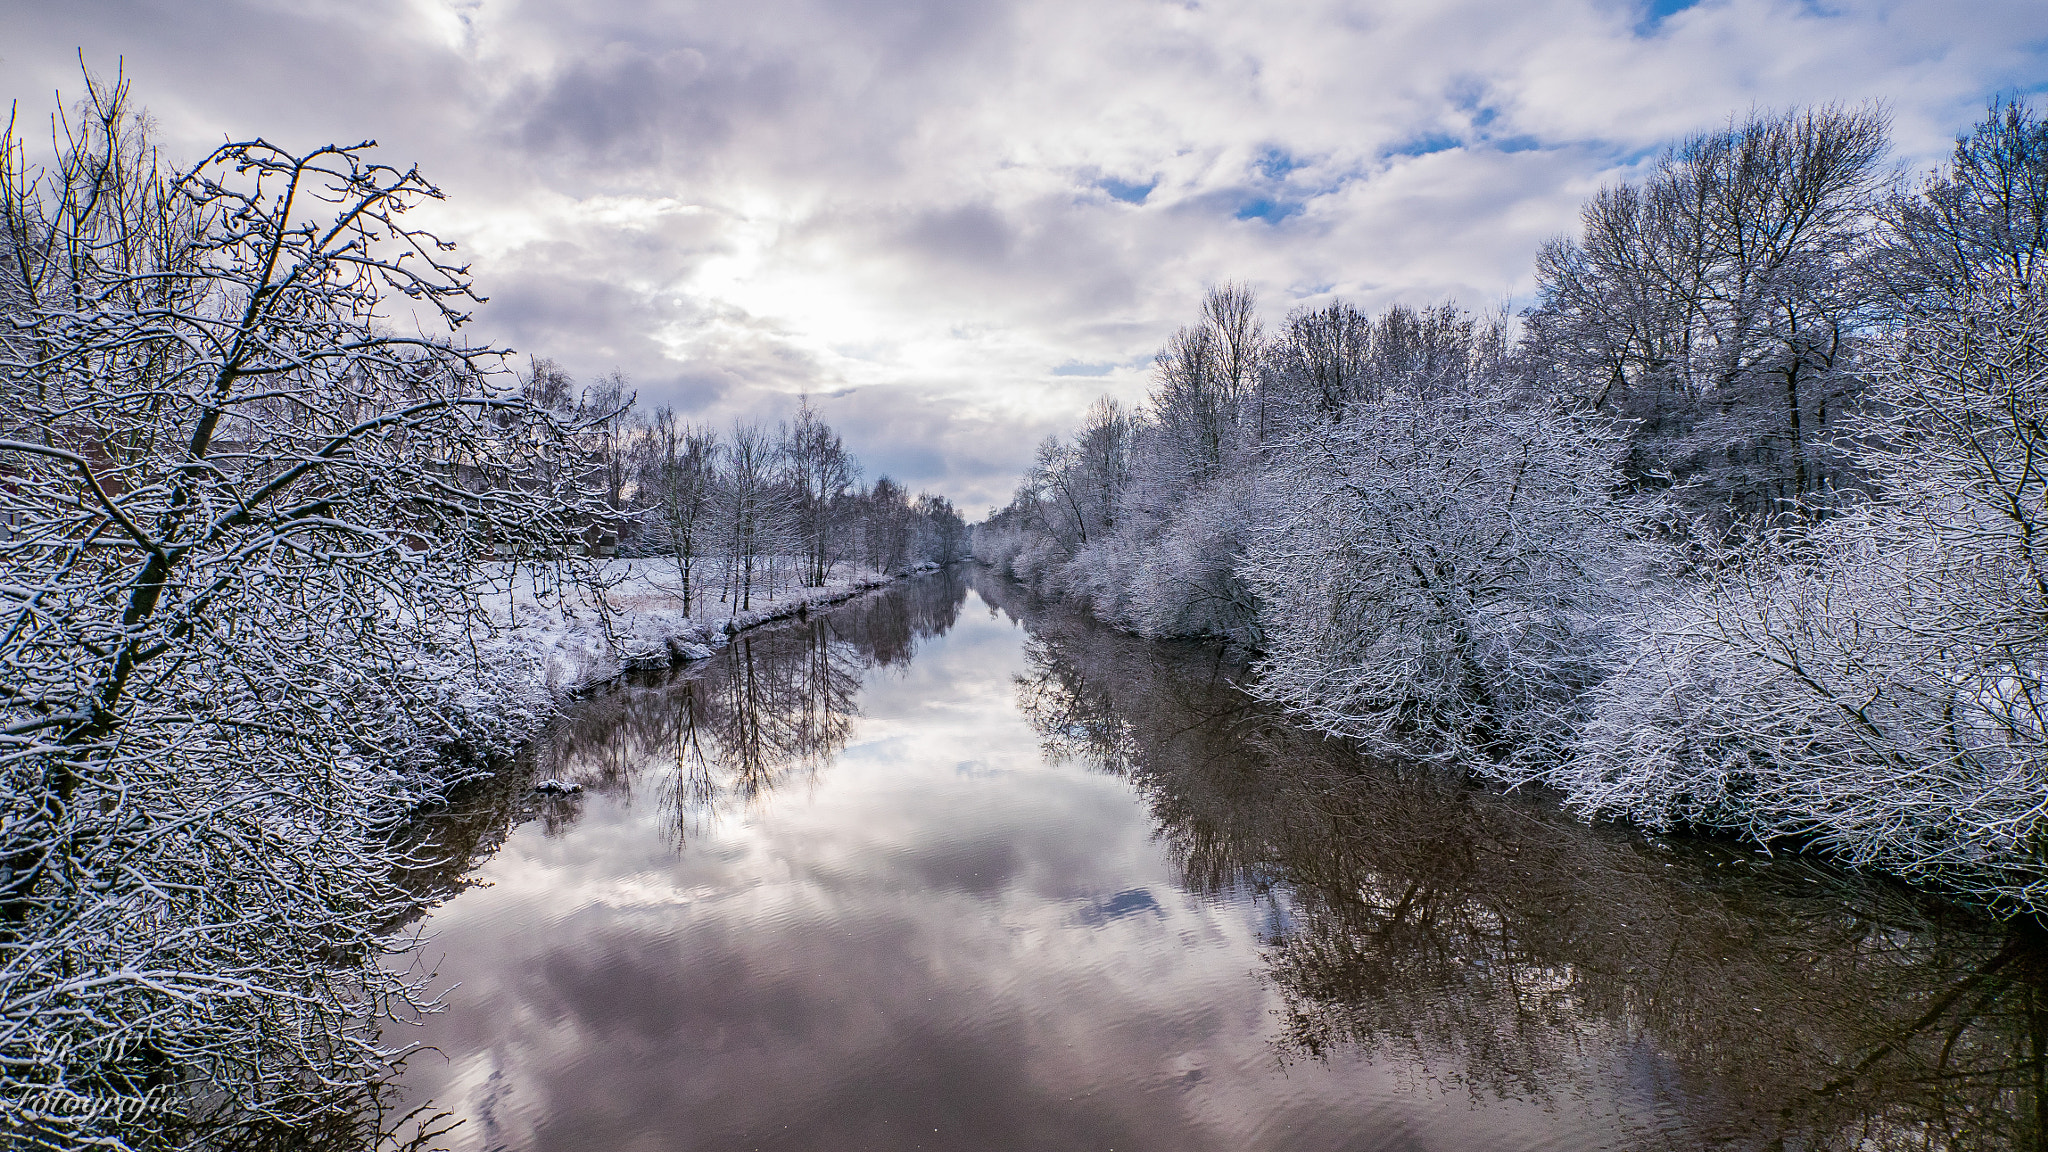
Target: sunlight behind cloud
x,y
953,199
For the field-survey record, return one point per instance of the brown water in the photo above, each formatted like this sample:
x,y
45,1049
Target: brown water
x,y
948,868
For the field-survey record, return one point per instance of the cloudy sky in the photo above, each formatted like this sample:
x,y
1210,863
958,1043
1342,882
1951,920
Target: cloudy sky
x,y
955,222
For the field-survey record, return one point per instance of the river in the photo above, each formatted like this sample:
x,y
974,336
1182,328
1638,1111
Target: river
x,y
951,868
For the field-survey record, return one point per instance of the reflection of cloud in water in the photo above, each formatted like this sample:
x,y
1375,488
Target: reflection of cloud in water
x,y
908,924
1712,995
891,948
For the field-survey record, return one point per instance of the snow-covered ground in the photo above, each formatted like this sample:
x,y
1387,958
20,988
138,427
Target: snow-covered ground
x,y
572,638
556,636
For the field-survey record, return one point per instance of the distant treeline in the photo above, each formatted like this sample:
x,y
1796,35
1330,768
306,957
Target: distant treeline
x,y
744,511
1741,526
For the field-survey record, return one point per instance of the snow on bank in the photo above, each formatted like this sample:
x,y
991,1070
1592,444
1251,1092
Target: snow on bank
x,y
575,638
549,636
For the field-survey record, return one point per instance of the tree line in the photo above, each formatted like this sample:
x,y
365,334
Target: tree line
x,y
1738,527
744,511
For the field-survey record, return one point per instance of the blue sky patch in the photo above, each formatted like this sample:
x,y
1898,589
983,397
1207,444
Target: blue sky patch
x,y
1127,903
1425,144
1657,11
1469,94
1126,191
1276,163
1272,211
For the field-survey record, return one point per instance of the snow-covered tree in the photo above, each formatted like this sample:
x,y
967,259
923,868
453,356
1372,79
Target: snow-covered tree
x,y
679,483
1980,225
1716,305
1428,532
245,492
1873,687
1145,518
1203,382
751,509
1441,568
941,530
820,472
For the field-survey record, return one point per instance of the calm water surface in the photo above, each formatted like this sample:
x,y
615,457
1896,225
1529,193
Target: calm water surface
x,y
949,868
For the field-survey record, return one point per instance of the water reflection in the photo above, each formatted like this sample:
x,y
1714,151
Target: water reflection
x,y
1485,944
837,889
774,706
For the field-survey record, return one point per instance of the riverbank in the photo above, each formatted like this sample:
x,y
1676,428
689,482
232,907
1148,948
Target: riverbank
x,y
547,634
623,615
1673,760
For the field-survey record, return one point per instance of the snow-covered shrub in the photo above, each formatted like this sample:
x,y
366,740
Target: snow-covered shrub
x,y
1038,561
1186,581
1873,687
998,547
1441,568
1101,580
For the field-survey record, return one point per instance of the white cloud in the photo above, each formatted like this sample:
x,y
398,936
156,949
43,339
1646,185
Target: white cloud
x,y
939,204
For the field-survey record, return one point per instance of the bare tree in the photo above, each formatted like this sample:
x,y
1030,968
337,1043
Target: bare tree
x,y
1056,476
1204,378
749,511
606,410
1981,226
1319,360
941,531
1231,312
680,479
1717,304
1102,453
821,472
886,526
548,386
1331,360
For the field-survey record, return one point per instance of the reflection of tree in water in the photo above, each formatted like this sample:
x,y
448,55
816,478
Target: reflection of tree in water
x,y
771,707
777,701
1492,943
